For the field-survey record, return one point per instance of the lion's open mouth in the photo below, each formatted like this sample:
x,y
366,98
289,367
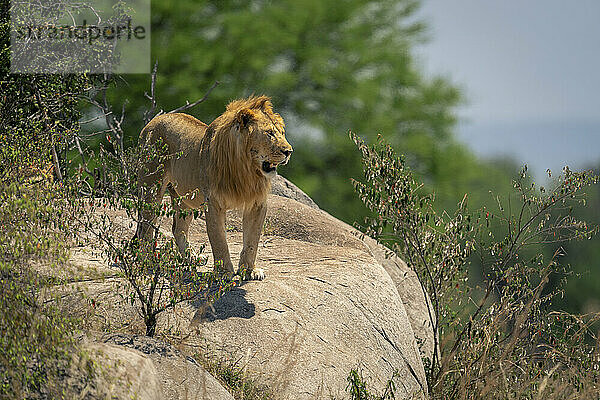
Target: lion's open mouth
x,y
267,167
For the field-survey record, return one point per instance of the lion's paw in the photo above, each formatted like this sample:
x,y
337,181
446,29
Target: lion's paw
x,y
254,274
257,274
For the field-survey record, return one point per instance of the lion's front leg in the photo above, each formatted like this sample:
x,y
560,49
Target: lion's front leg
x,y
215,227
254,218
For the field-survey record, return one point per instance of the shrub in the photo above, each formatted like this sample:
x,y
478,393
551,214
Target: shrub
x,y
35,337
157,277
498,338
37,116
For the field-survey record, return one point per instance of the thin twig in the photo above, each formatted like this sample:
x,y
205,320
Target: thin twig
x,y
149,114
188,105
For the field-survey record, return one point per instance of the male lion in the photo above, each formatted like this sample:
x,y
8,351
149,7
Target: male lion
x,y
228,164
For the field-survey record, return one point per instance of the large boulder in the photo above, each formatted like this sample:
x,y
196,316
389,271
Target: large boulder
x,y
332,301
327,305
118,373
322,311
180,376
312,226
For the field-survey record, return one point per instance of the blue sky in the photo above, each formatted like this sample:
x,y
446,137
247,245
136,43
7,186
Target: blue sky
x,y
529,71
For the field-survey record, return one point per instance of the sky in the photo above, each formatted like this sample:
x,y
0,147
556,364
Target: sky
x,y
529,71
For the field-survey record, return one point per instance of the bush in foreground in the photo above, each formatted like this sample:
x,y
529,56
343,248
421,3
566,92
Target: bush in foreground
x,y
498,338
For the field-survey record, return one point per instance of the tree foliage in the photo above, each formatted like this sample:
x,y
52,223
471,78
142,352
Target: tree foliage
x,y
330,66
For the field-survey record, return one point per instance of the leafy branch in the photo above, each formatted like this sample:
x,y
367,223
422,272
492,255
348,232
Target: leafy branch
x,y
503,331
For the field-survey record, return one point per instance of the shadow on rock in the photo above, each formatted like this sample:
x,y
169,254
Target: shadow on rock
x,y
232,304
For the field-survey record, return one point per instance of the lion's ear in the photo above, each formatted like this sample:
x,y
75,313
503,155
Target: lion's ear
x,y
265,104
244,117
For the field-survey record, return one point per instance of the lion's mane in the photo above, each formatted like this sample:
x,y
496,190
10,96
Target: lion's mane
x,y
233,178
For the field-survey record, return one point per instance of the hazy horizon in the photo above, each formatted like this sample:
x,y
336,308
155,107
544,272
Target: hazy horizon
x,y
529,72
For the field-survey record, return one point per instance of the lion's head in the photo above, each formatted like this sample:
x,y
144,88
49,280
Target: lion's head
x,y
264,132
248,145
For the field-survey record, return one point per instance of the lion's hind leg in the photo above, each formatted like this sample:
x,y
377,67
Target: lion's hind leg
x,y
152,195
182,218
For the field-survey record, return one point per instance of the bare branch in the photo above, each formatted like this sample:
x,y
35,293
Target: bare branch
x,y
56,164
149,114
188,105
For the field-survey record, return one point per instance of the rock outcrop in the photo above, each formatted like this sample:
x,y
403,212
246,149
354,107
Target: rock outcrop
x,y
322,311
284,188
416,302
125,366
118,373
180,376
331,301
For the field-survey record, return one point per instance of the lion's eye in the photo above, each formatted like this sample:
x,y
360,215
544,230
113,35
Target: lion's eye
x,y
271,133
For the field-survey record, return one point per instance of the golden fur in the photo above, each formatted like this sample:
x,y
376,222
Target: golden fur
x,y
227,164
235,178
